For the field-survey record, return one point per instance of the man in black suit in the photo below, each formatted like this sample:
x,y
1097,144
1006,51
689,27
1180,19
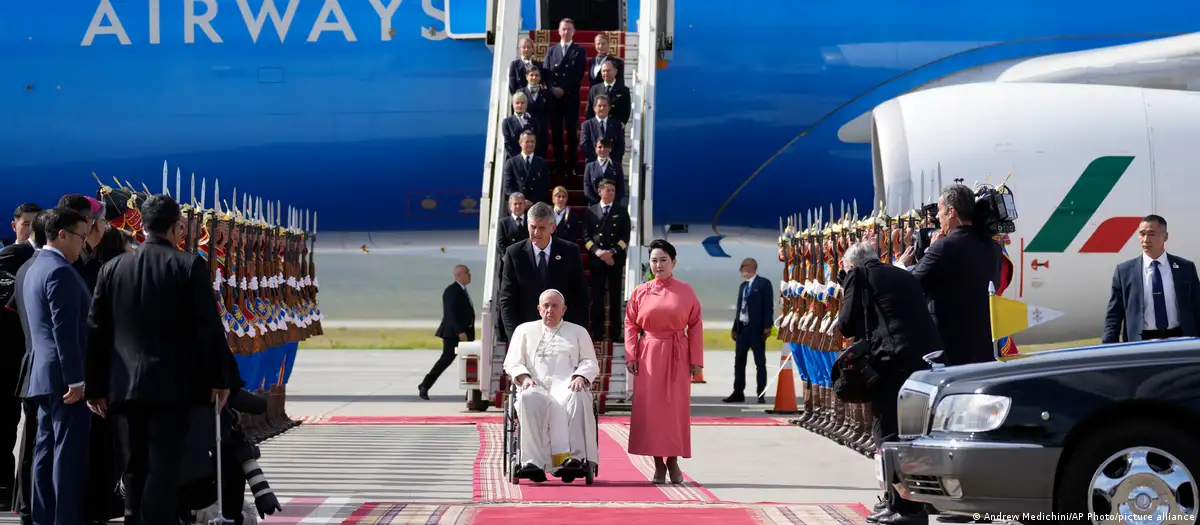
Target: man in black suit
x,y
539,107
618,95
536,264
521,65
751,328
512,228
886,303
602,126
458,324
603,56
604,167
156,351
565,65
517,124
1155,295
527,173
12,343
955,273
607,233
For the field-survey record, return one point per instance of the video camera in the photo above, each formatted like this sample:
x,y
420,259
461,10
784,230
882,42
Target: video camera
x,y
995,209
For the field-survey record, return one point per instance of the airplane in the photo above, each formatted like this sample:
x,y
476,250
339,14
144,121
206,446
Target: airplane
x,y
1094,141
374,111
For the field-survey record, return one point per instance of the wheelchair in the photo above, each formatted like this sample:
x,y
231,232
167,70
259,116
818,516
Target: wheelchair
x,y
512,443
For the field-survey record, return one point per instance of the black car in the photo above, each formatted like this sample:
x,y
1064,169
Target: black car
x,y
1064,435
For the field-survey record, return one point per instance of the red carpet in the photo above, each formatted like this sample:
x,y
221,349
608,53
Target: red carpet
x,y
615,513
497,417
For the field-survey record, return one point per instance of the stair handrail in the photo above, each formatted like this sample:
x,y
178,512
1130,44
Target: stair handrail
x,y
507,30
641,166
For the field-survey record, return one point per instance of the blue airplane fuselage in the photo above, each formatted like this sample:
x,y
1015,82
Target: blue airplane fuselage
x,y
366,111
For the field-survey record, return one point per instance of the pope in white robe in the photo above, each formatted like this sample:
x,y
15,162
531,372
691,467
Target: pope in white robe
x,y
553,363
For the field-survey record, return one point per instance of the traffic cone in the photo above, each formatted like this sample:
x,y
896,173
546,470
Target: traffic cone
x,y
699,377
785,386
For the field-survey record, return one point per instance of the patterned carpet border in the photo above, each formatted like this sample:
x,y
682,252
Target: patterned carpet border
x,y
493,417
491,475
387,513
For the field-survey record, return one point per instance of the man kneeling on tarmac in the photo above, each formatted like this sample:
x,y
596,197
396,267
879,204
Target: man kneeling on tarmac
x,y
553,364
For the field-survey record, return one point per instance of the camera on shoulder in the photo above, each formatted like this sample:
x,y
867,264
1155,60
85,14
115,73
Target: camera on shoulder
x,y
995,209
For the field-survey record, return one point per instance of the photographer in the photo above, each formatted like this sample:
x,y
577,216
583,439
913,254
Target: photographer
x,y
961,262
885,305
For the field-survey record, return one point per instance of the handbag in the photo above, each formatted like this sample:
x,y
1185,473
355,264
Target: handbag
x,y
853,375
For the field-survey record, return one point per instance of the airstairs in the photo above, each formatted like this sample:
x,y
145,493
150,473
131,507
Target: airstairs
x,y
481,367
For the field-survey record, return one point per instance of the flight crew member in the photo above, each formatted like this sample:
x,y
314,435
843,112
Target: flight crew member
x,y
527,172
602,126
603,168
521,65
458,324
565,65
603,56
539,106
516,124
1155,295
607,233
618,95
511,228
565,225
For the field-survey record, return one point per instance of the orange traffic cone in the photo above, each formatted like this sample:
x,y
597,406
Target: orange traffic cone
x,y
785,386
699,377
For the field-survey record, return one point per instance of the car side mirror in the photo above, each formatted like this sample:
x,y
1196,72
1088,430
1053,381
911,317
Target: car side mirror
x,y
932,358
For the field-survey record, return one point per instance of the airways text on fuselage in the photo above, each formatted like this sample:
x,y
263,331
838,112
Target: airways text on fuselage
x,y
332,18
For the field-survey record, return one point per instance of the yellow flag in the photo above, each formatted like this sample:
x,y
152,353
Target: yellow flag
x,y
1010,316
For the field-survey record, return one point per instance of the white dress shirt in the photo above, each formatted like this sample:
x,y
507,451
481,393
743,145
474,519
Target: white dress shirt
x,y
537,252
1164,269
744,313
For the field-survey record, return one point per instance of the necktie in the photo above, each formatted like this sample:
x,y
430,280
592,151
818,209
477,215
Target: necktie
x,y
528,162
606,211
1160,299
601,128
542,266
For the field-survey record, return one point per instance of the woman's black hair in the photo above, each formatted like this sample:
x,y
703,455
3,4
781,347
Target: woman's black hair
x,y
112,243
662,244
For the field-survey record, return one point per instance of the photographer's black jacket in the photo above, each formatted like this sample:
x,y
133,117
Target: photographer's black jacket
x,y
955,273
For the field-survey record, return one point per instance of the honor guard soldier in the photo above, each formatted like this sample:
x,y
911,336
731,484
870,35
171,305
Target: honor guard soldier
x,y
607,233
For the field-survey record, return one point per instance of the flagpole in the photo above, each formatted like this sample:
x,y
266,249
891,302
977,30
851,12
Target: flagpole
x,y
992,316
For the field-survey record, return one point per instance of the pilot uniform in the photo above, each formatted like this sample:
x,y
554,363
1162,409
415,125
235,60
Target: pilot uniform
x,y
606,228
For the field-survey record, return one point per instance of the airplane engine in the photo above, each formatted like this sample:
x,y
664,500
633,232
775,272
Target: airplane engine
x,y
1087,162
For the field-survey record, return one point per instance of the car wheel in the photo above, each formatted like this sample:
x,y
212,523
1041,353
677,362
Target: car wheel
x,y
1137,471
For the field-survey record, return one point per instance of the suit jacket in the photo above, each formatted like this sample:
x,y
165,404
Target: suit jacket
x,y
596,77
53,301
13,308
896,318
593,174
532,180
509,233
607,233
512,129
589,133
539,108
12,334
458,316
565,69
521,284
155,334
955,273
1124,316
517,71
618,97
569,228
760,307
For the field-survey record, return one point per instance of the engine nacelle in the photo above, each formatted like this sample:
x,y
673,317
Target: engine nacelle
x,y
1087,163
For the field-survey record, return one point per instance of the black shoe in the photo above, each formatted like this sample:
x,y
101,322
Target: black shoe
x,y
762,399
881,505
874,517
533,473
734,398
904,519
423,391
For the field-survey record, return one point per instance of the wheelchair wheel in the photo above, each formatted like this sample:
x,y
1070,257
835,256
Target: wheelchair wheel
x,y
591,473
512,474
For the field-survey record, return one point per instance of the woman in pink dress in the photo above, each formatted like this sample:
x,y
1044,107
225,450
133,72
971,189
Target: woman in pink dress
x,y
664,349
